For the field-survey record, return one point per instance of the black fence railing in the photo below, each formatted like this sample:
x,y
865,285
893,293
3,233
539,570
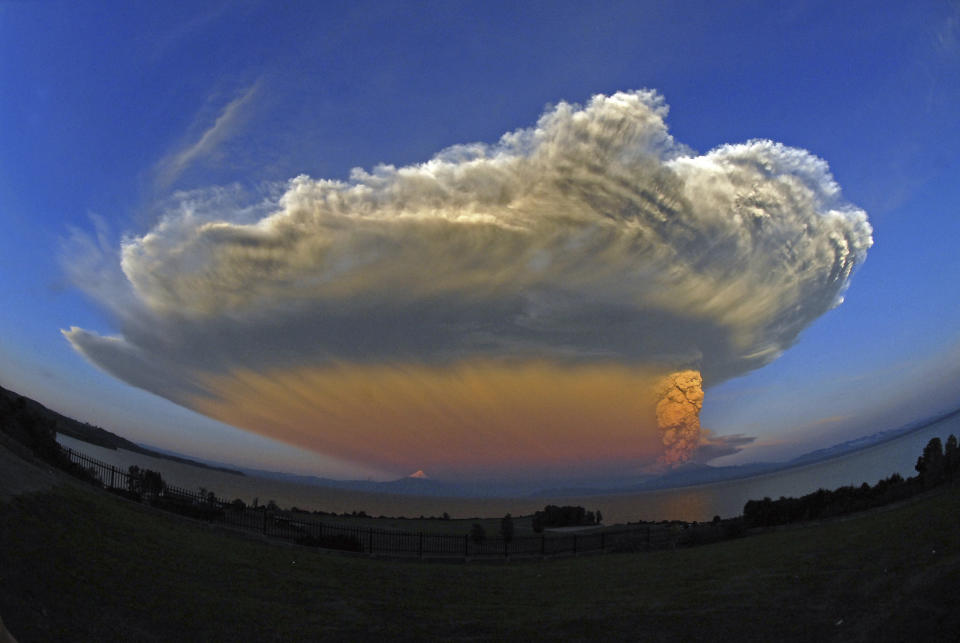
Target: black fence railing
x,y
308,529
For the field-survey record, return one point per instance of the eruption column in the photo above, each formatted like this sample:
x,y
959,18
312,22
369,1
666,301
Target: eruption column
x,y
680,397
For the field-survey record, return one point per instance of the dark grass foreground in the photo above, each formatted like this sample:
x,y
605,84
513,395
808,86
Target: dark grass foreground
x,y
78,564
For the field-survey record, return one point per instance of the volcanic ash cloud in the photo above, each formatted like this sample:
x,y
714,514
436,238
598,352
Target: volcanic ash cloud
x,y
592,237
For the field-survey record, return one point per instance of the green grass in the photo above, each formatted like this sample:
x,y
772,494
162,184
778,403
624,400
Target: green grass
x,y
76,564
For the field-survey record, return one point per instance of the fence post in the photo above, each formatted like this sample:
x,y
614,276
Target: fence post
x,y
370,540
113,475
466,546
420,546
264,523
505,553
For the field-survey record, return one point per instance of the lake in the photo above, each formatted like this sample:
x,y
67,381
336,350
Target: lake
x,y
699,502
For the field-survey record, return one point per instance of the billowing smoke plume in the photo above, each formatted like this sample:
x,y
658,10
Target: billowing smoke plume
x,y
680,398
592,237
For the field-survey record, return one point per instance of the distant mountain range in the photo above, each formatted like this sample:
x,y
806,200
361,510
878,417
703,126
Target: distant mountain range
x,y
682,476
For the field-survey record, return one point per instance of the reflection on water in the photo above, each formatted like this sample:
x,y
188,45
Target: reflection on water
x,y
699,502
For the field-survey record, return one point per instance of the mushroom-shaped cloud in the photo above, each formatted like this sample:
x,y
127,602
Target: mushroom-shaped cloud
x,y
591,245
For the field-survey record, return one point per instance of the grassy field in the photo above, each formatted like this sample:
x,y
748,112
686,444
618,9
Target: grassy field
x,y
77,564
522,525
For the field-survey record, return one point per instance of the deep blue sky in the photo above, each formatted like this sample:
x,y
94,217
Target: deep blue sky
x,y
100,100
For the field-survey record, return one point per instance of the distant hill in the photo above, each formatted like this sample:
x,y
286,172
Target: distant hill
x,y
18,413
867,440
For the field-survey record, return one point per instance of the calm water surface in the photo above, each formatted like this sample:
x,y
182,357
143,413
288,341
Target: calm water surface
x,y
700,502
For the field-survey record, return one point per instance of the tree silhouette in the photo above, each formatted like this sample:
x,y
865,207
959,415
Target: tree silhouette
x,y
140,481
506,528
930,464
565,516
951,454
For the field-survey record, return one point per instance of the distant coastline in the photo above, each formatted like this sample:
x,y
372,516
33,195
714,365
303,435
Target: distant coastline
x,y
99,436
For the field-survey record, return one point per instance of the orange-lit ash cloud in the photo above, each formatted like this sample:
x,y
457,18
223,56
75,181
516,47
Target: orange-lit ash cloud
x,y
680,398
467,417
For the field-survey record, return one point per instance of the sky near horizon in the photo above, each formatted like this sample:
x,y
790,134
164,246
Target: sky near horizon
x,y
493,228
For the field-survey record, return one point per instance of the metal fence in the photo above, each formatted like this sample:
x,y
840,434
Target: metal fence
x,y
308,529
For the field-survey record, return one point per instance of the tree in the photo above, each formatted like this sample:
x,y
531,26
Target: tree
x,y
140,481
951,454
153,482
134,479
506,528
565,516
537,522
477,533
930,464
